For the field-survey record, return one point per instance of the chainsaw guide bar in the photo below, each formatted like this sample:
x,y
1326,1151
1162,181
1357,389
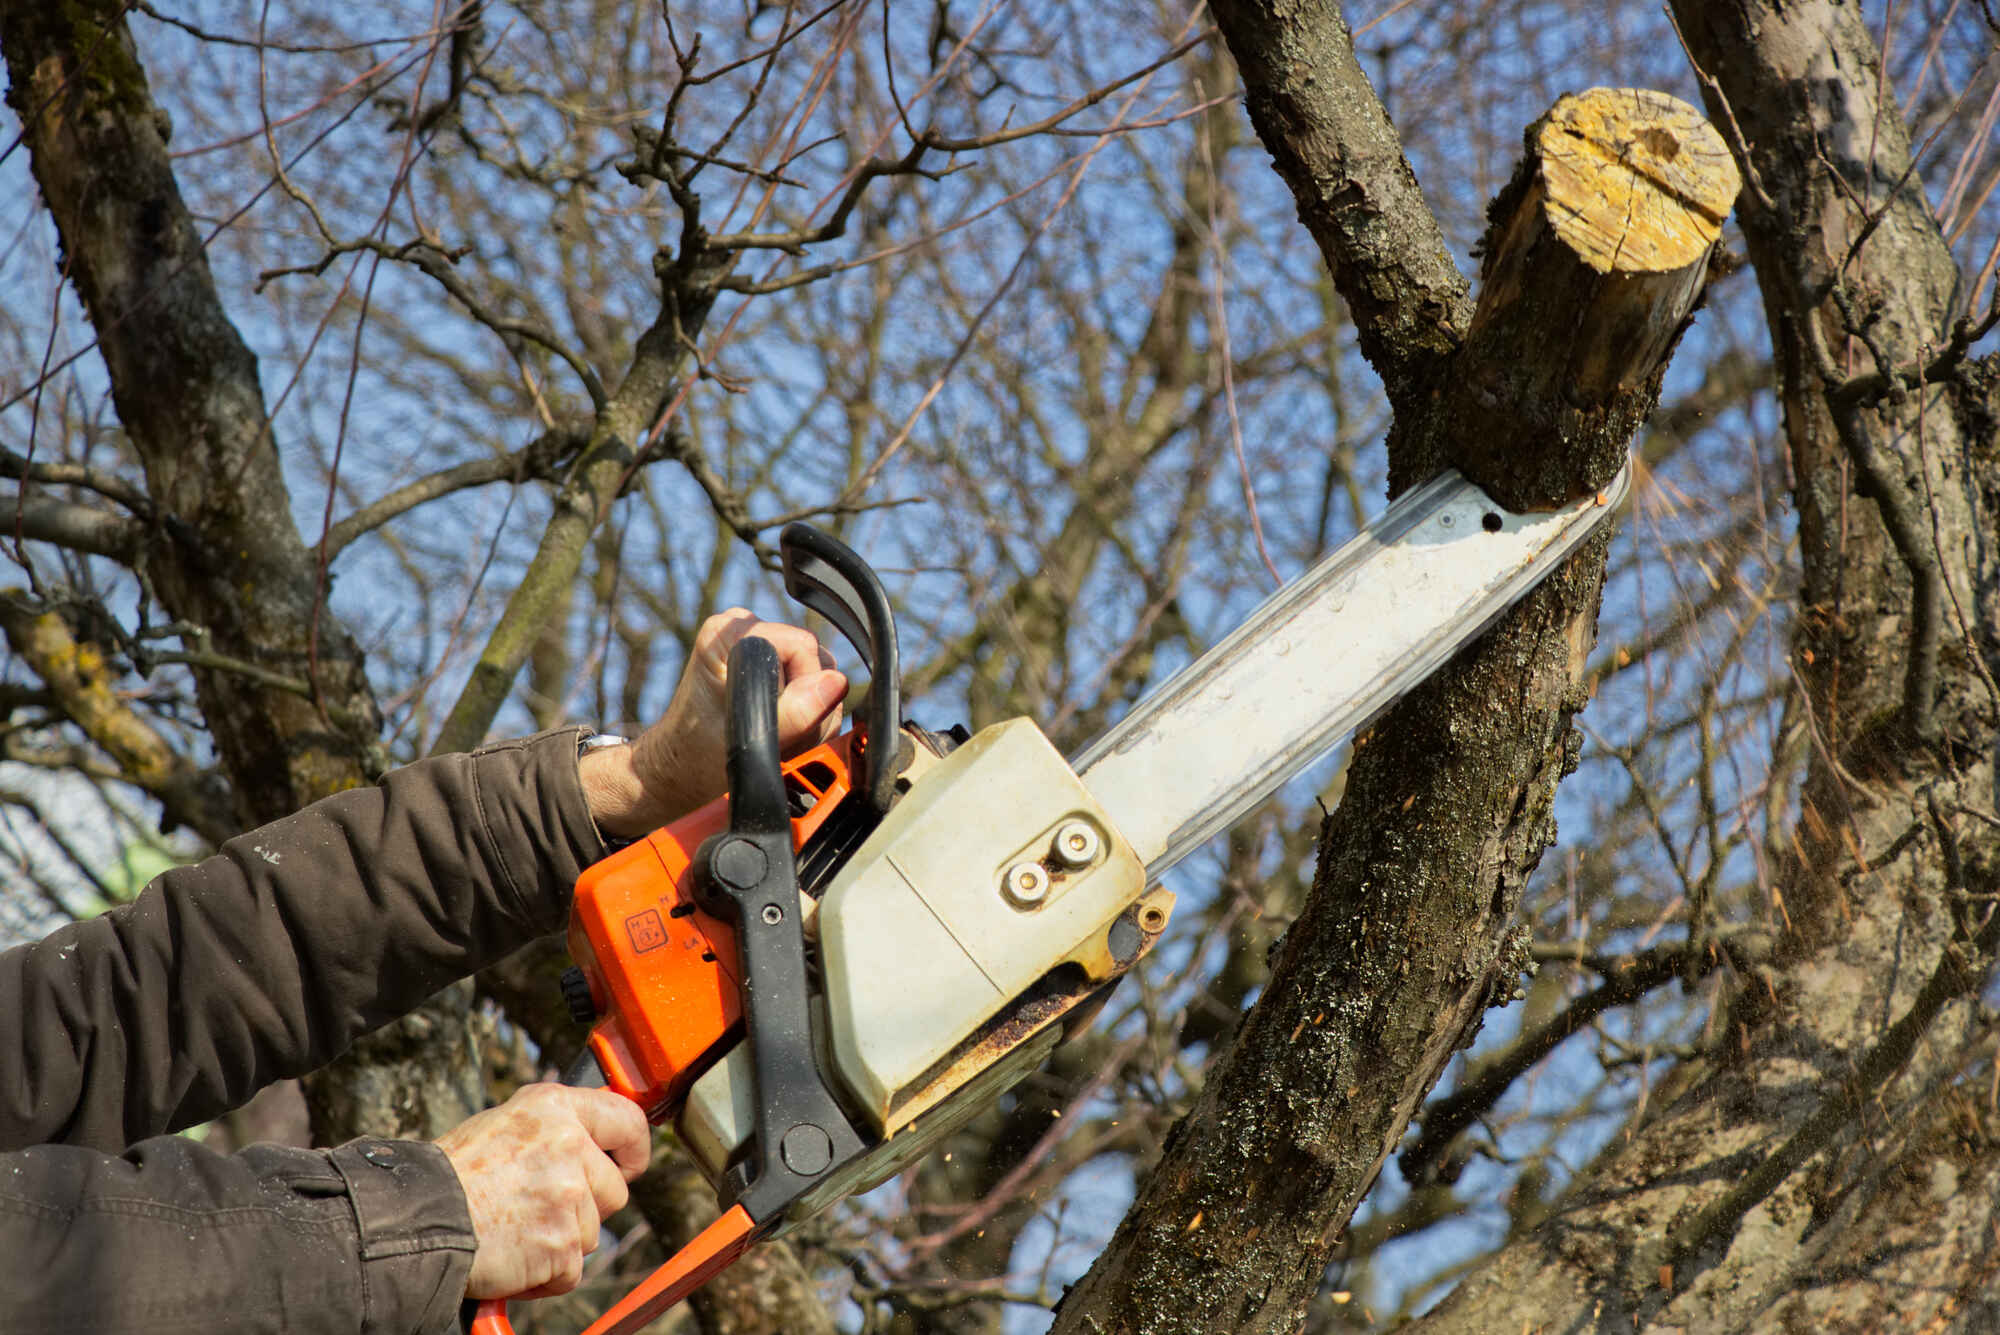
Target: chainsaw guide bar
x,y
1322,656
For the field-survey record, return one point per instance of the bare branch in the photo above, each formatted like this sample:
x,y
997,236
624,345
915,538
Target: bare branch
x,y
1331,138
1627,978
1912,376
80,679
795,241
971,143
108,485
537,459
436,262
82,528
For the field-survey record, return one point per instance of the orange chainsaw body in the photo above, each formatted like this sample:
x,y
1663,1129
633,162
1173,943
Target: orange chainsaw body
x,y
662,973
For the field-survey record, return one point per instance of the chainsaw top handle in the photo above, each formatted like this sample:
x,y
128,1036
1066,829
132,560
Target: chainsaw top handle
x,y
827,576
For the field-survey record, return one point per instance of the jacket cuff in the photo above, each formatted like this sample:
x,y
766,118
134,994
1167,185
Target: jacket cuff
x,y
415,1232
529,796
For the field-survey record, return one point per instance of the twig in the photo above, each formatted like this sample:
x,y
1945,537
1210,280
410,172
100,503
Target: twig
x,y
539,458
1736,139
1005,1189
1627,978
435,261
215,662
1860,389
902,436
108,485
261,43
971,143
1219,331
81,528
926,142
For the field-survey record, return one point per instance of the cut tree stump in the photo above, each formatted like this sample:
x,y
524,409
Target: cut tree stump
x,y
1601,244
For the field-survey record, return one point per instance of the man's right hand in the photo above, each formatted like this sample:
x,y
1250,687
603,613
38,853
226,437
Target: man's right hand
x,y
541,1173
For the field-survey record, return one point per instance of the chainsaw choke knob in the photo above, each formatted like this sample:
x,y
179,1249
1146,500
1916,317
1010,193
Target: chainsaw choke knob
x,y
738,863
576,995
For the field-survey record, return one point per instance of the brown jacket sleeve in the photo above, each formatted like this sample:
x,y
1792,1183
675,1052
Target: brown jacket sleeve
x,y
262,962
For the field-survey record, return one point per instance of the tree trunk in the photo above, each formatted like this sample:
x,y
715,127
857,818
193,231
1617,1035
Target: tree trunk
x,y
1596,257
281,682
1826,1167
235,568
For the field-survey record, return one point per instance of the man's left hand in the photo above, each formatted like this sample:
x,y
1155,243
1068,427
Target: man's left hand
x,y
677,764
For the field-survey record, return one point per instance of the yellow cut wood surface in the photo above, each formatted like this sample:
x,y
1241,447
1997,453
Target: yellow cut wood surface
x,y
1637,181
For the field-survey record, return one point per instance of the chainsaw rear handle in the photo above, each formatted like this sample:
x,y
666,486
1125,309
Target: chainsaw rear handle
x,y
582,1073
746,874
711,1253
708,1255
756,774
827,576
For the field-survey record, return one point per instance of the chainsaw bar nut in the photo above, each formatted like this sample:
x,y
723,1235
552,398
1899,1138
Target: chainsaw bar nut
x,y
1076,844
1026,884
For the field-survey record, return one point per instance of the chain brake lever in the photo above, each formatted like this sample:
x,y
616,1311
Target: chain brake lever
x,y
830,578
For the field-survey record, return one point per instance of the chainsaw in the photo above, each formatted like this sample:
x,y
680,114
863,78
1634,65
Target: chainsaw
x,y
748,972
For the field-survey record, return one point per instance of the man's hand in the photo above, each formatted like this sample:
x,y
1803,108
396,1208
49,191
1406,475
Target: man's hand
x,y
677,764
541,1173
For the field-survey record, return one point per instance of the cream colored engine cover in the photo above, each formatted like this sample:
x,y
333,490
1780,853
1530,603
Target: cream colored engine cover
x,y
919,940
920,944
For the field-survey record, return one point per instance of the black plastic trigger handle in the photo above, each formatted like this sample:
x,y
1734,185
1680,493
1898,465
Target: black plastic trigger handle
x,y
827,576
746,875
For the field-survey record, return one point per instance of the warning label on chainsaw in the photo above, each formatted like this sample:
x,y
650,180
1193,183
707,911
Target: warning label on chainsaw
x,y
647,931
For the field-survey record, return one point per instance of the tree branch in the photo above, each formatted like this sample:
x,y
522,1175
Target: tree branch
x,y
1627,978
436,263
1912,376
1331,140
82,528
537,459
80,680
1407,935
108,485
188,395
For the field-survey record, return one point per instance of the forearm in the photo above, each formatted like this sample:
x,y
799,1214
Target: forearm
x,y
172,1237
268,959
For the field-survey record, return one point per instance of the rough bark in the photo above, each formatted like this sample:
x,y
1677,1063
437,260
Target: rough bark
x,y
1825,1166
1405,937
